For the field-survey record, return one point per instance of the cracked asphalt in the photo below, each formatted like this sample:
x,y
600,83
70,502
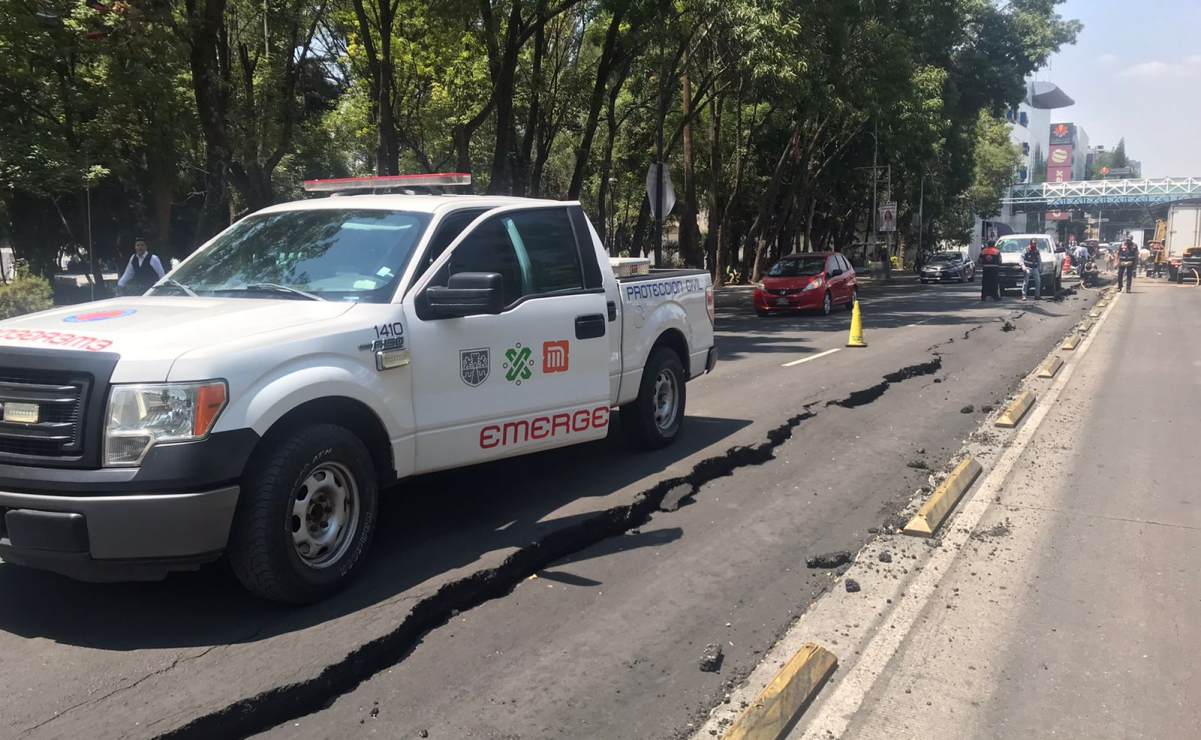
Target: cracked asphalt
x,y
550,596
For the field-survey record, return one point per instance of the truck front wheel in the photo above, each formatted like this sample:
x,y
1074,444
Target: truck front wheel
x,y
305,515
654,419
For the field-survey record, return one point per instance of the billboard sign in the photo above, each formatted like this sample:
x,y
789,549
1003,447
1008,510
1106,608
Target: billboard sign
x,y
1059,174
1059,216
1059,156
1063,133
888,216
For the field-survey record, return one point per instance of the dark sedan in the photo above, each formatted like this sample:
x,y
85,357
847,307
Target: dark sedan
x,y
948,266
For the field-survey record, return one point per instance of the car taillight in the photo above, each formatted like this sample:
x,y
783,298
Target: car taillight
x,y
711,305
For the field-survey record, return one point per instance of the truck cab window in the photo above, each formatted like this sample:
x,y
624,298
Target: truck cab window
x,y
448,230
533,251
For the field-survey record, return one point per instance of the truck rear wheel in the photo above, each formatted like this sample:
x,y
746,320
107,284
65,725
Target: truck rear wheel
x,y
305,516
654,419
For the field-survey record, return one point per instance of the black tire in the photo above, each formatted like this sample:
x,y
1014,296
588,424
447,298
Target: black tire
x,y
925,281
971,276
854,299
827,304
762,314
262,551
640,418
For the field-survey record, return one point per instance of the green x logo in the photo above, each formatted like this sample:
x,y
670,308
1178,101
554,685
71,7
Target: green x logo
x,y
518,364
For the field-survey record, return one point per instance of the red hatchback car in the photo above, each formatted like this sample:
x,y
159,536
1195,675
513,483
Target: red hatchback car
x,y
813,281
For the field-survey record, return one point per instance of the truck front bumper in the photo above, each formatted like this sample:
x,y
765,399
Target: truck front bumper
x,y
116,537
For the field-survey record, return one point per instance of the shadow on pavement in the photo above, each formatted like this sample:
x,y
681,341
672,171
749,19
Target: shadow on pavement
x,y
429,526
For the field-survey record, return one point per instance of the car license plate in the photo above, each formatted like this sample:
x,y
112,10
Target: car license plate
x,y
21,413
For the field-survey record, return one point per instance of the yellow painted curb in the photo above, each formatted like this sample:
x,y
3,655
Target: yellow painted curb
x,y
1070,343
782,701
1094,314
939,505
1016,410
1085,327
1050,367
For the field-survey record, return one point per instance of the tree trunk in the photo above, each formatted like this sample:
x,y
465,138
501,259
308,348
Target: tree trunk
x,y
690,248
205,18
604,69
523,181
715,175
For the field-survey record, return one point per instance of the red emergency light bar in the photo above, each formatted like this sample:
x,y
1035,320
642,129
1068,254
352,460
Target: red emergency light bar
x,y
384,182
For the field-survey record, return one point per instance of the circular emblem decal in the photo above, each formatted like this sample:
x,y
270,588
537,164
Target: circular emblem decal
x,y
116,313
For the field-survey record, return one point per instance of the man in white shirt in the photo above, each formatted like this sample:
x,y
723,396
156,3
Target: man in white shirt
x,y
142,272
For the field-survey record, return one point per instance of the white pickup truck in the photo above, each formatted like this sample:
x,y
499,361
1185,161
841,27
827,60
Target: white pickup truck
x,y
1013,274
256,400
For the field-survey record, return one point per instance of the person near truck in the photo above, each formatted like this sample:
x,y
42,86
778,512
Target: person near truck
x,y
1127,262
1080,257
143,270
990,265
1032,262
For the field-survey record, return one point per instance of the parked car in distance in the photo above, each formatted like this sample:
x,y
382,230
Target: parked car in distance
x,y
812,281
948,266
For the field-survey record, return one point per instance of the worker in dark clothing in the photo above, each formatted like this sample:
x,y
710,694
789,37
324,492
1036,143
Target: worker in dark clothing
x,y
990,264
142,272
1032,262
1127,263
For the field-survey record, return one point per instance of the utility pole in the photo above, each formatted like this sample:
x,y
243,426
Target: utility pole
x,y
875,178
91,253
921,202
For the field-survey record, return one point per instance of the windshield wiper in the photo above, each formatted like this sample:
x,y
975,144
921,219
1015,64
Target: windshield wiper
x,y
277,288
173,283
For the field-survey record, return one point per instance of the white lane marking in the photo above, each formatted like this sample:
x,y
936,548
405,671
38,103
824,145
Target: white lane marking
x,y
835,714
818,356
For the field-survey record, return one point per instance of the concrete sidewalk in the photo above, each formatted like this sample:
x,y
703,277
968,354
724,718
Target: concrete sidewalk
x,y
1074,609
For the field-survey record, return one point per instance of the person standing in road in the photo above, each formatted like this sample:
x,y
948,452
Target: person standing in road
x,y
142,272
1127,262
990,266
1032,262
1080,258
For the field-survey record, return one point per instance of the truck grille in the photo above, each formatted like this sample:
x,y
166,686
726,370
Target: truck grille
x,y
59,398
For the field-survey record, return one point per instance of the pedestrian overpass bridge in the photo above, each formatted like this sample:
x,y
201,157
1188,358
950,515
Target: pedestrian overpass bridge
x,y
1100,193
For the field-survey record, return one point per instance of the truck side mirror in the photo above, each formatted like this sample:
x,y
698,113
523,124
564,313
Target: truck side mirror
x,y
466,294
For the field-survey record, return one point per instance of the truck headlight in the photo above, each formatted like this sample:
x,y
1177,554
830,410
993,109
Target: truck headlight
x,y
141,416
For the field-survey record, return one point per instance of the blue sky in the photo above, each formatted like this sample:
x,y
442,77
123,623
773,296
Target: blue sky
x,y
1135,71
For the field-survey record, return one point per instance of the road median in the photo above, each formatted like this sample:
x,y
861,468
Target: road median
x,y
777,707
935,510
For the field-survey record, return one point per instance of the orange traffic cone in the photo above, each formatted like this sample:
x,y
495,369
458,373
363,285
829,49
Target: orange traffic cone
x,y
856,337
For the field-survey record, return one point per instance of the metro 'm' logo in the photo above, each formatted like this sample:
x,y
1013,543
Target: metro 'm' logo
x,y
555,356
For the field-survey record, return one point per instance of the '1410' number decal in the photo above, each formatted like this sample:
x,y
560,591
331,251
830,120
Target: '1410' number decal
x,y
394,329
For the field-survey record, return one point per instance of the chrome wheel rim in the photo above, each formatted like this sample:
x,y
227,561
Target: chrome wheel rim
x,y
324,515
667,399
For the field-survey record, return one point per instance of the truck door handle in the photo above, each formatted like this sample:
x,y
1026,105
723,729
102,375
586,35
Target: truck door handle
x,y
612,310
589,326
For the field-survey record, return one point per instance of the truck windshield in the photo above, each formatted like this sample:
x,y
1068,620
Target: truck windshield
x,y
1013,246
348,254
